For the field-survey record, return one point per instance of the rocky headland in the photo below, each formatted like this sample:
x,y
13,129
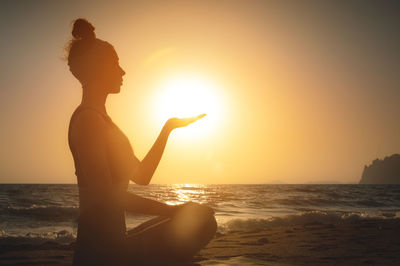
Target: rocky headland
x,y
386,171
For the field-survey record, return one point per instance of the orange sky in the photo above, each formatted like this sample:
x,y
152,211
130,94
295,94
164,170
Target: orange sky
x,y
309,91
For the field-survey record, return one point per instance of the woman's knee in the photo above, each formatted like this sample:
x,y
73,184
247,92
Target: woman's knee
x,y
203,216
207,216
199,217
193,228
210,228
200,209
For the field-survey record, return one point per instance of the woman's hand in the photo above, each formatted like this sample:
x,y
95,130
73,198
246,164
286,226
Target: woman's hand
x,y
175,122
145,169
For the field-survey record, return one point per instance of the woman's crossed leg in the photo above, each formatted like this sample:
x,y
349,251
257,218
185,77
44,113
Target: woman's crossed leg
x,y
172,239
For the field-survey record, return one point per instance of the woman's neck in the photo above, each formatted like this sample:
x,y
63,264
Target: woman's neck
x,y
95,98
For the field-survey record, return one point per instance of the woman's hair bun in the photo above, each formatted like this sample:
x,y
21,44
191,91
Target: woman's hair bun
x,y
83,29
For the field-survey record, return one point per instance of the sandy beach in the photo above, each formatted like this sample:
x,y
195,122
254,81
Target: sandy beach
x,y
372,242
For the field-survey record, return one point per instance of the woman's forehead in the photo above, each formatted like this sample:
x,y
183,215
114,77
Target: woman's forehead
x,y
115,55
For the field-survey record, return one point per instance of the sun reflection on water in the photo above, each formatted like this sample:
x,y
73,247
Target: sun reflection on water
x,y
188,192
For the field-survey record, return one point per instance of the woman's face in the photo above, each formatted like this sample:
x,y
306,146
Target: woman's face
x,y
111,73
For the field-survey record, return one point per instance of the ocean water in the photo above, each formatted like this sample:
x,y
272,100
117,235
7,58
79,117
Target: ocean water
x,y
38,213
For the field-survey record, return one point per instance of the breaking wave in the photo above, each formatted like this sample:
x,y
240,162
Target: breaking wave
x,y
61,237
304,218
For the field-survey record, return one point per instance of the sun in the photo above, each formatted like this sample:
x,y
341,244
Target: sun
x,y
188,95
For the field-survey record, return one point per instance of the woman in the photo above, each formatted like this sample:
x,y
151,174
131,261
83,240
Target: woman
x,y
105,162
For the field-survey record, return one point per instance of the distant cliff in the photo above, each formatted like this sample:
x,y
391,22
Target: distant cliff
x,y
386,171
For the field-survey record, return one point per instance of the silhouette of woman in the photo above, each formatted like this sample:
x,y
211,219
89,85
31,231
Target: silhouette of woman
x,y
105,162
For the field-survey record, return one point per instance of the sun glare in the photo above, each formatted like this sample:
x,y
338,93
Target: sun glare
x,y
190,96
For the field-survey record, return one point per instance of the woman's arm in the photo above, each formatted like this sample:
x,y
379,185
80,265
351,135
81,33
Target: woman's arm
x,y
141,205
144,172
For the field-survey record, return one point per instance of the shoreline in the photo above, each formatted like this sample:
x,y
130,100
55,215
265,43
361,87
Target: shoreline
x,y
373,242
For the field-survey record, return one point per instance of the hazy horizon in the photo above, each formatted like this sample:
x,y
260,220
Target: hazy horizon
x,y
282,183
307,91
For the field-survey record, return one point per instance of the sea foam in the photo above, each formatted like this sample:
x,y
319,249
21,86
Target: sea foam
x,y
303,218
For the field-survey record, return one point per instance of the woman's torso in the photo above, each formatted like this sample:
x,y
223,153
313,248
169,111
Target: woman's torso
x,y
97,221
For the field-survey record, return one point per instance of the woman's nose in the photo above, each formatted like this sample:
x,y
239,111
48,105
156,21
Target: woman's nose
x,y
123,72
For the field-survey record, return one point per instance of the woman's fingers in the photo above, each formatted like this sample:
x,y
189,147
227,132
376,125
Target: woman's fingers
x,y
195,118
182,122
189,120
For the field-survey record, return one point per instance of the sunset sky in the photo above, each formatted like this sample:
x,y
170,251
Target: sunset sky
x,y
294,91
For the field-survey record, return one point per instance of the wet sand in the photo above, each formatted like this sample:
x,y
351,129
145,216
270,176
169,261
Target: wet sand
x,y
372,242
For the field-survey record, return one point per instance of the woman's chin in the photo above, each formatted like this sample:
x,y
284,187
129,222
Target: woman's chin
x,y
116,89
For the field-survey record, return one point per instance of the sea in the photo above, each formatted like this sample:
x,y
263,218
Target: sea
x,y
37,213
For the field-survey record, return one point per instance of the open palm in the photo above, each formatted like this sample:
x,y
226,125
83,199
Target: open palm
x,y
183,122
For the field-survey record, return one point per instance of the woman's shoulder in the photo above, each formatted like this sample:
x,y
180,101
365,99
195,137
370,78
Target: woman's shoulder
x,y
87,119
